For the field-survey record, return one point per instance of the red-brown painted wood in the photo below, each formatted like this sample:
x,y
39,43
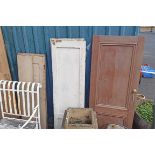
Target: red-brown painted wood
x,y
115,71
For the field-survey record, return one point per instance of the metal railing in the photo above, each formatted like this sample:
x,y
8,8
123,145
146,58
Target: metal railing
x,y
20,99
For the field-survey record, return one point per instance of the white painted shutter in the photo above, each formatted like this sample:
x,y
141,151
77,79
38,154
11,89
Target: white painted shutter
x,y
68,63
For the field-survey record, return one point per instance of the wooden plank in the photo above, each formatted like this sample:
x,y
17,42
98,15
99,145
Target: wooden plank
x,y
68,62
4,66
32,68
115,73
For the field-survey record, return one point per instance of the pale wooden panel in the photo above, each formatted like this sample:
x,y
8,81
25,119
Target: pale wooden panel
x,y
32,68
68,62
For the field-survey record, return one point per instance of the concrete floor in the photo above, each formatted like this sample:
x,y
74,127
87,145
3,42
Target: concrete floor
x,y
147,86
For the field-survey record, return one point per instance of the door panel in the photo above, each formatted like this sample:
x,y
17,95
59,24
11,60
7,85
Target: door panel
x,y
68,63
114,74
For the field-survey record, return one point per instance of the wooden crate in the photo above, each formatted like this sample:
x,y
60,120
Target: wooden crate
x,y
80,118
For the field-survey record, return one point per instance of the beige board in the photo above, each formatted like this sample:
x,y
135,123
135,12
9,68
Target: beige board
x,y
32,68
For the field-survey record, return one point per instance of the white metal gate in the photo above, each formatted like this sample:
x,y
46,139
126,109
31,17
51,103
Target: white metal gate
x,y
20,100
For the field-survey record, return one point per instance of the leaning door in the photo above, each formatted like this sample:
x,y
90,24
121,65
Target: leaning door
x,y
68,63
115,73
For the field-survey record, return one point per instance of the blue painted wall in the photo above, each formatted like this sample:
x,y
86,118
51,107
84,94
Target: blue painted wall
x,y
36,39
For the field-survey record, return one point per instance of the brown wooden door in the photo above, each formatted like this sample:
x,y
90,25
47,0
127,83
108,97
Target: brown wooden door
x,y
115,72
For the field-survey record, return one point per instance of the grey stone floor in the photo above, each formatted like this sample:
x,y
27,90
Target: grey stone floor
x,y
147,86
6,123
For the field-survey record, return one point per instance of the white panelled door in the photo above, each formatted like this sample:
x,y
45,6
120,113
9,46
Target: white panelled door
x,y
68,64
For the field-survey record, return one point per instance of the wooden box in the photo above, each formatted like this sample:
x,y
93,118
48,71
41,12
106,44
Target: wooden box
x,y
79,118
